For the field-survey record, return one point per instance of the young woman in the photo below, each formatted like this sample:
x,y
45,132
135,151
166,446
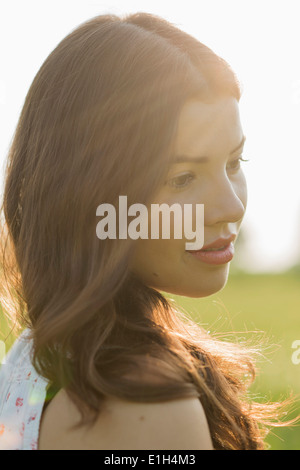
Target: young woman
x,y
123,106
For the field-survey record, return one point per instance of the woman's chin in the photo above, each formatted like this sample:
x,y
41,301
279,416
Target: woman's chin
x,y
192,285
195,291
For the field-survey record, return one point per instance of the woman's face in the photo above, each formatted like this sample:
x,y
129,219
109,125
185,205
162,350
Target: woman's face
x,y
204,130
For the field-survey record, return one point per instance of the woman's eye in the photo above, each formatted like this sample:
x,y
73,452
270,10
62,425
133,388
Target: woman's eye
x,y
180,182
236,164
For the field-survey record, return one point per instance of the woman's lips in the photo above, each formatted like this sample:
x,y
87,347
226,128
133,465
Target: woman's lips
x,y
221,256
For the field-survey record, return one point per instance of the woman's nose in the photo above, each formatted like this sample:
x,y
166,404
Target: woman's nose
x,y
227,202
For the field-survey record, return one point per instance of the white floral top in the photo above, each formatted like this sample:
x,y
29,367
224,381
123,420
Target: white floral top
x,y
22,398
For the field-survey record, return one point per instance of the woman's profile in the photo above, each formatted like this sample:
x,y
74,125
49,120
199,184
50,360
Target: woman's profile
x,y
123,106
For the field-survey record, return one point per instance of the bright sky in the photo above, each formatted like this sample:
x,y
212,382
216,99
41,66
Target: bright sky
x,y
261,41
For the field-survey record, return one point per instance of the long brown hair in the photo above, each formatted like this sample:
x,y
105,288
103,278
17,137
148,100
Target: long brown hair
x,y
99,121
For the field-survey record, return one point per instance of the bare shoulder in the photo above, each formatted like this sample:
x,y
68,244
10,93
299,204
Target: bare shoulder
x,y
172,425
124,425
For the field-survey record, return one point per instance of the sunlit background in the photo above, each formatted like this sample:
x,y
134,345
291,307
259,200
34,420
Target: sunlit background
x,y
261,41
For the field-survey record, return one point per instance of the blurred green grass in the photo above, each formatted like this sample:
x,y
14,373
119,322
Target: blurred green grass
x,y
251,304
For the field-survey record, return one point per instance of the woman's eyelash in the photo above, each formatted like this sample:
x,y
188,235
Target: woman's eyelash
x,y
237,161
188,176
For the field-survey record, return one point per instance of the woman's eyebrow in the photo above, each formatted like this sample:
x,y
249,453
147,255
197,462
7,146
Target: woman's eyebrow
x,y
185,158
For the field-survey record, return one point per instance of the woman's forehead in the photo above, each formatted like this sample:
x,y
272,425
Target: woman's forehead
x,y
208,128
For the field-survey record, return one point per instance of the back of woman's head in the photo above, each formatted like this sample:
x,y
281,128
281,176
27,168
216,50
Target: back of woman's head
x,y
99,121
